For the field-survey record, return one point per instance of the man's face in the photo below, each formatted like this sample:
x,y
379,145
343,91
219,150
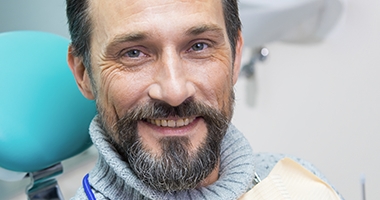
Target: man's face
x,y
165,69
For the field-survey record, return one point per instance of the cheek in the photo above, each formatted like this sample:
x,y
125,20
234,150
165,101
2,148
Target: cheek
x,y
119,89
215,82
224,89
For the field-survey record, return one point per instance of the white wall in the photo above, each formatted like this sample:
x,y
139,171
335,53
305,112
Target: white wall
x,y
322,102
318,102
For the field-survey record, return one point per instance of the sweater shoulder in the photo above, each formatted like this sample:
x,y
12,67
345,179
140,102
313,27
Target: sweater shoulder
x,y
265,162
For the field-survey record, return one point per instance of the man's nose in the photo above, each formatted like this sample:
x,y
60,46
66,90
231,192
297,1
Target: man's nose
x,y
172,84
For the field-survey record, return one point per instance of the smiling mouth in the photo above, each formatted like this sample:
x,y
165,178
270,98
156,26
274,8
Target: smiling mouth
x,y
172,123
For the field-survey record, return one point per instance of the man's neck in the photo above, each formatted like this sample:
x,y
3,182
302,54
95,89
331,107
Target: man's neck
x,y
212,178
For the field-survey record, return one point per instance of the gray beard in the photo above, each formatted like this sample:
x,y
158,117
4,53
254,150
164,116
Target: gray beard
x,y
176,168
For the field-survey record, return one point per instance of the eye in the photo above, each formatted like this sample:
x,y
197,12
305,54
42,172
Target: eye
x,y
134,56
134,53
199,46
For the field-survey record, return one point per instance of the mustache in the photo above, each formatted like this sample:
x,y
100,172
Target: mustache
x,y
160,109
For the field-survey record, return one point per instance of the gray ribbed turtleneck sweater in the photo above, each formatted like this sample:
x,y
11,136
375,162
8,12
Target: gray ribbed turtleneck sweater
x,y
111,178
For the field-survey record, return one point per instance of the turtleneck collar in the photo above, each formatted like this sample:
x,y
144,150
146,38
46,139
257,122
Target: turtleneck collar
x,y
113,178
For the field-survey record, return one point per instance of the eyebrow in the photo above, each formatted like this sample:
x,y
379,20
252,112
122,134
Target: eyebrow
x,y
197,30
123,38
130,37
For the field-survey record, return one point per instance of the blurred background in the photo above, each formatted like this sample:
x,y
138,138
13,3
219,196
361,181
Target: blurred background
x,y
317,101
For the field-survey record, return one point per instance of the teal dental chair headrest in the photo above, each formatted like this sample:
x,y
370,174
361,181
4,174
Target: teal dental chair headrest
x,y
44,119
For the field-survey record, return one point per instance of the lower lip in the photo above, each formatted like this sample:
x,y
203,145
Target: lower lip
x,y
174,131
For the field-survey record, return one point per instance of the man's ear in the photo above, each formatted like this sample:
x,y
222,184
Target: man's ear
x,y
238,55
80,74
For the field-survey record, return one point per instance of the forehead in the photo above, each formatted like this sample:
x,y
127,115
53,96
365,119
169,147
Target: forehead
x,y
113,17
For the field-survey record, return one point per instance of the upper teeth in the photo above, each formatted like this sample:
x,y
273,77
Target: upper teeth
x,y
171,123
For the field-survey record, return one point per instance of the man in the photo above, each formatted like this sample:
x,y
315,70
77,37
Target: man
x,y
162,74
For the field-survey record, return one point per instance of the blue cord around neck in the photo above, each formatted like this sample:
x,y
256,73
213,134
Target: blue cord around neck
x,y
87,188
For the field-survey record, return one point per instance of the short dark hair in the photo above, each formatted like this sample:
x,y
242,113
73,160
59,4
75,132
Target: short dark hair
x,y
232,22
80,27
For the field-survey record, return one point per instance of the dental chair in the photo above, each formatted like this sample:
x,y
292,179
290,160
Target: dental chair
x,y
44,119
